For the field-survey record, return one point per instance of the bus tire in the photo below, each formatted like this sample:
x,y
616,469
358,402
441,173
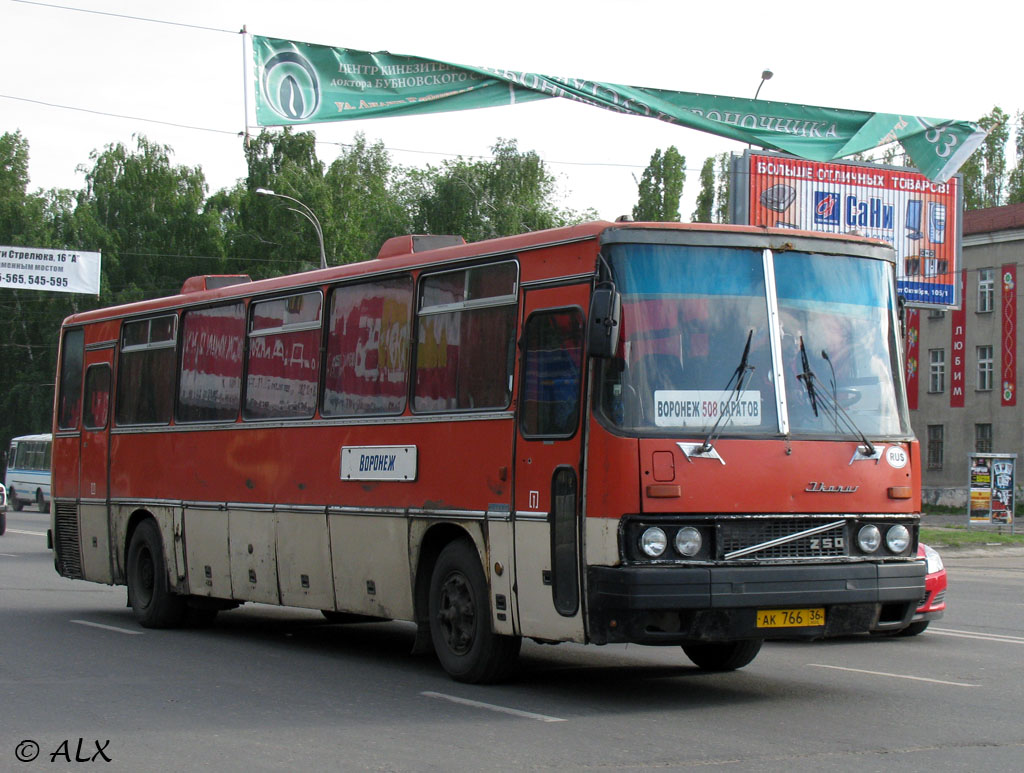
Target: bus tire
x,y
152,602
12,497
460,620
723,656
41,504
3,523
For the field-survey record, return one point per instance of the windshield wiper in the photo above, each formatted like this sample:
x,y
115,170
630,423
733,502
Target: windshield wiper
x,y
807,377
740,374
829,402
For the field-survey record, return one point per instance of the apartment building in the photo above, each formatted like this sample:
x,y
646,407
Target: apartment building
x,y
963,374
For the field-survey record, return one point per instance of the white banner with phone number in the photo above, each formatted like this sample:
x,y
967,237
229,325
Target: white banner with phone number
x,y
39,268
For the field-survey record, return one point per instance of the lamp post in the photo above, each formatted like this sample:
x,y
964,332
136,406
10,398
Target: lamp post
x,y
307,213
766,75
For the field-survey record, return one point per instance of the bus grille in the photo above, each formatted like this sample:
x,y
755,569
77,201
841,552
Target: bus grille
x,y
66,542
740,535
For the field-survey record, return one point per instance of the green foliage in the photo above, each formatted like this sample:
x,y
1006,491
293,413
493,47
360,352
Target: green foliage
x,y
508,194
706,198
1015,184
661,187
366,202
984,173
723,191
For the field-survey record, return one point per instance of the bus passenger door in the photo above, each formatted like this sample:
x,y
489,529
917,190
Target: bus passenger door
x,y
94,524
548,463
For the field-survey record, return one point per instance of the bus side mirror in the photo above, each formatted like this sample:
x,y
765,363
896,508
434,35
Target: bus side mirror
x,y
603,329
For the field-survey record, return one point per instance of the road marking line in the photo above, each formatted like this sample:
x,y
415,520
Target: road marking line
x,y
896,676
9,555
108,627
976,635
492,707
29,533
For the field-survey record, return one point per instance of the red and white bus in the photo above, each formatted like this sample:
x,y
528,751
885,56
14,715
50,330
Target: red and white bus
x,y
615,432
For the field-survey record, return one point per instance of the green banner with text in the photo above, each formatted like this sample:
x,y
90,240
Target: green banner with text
x,y
302,83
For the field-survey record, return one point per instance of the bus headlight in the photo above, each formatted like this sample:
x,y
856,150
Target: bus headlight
x,y
869,538
653,541
688,541
897,539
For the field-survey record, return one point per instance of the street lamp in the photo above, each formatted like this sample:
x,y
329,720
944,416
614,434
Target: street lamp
x,y
766,75
307,213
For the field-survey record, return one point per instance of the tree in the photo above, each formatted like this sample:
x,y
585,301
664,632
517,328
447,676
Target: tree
x,y
511,193
984,173
262,236
1015,184
723,192
661,187
706,198
29,319
366,205
148,218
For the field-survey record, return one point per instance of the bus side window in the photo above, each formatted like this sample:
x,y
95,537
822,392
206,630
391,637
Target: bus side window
x,y
72,356
464,349
212,342
97,397
368,346
552,372
284,357
145,373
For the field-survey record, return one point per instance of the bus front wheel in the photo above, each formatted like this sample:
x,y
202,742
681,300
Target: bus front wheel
x,y
460,621
12,497
3,523
723,656
152,602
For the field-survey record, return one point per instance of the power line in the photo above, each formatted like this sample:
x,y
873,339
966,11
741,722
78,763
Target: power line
x,y
125,16
118,115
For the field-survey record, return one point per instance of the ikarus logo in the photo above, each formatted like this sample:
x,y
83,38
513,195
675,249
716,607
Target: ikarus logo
x,y
290,86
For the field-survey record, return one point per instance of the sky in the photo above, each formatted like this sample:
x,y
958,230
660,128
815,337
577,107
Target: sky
x,y
79,75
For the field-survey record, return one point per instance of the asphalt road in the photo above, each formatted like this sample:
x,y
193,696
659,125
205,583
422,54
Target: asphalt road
x,y
277,689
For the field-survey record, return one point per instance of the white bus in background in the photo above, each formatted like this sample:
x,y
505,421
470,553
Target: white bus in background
x,y
28,472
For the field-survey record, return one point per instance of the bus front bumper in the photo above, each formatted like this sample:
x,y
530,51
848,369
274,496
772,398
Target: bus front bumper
x,y
676,605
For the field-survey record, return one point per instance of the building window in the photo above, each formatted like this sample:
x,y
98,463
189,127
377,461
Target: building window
x,y
986,289
935,446
984,368
937,370
983,438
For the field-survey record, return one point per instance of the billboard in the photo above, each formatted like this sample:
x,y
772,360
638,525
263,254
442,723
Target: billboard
x,y
920,218
39,268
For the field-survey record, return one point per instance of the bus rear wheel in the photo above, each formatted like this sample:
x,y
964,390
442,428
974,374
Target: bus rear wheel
x,y
152,602
460,621
723,656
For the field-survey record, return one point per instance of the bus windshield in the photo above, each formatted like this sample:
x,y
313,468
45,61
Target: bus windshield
x,y
696,347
